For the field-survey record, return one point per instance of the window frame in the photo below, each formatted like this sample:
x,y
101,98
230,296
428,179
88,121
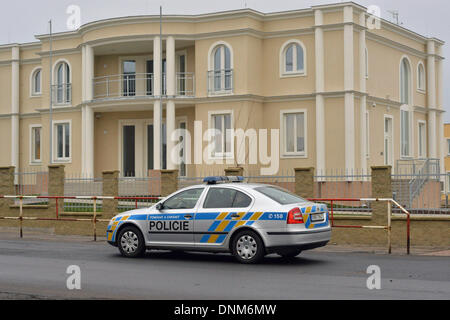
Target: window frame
x,y
67,100
34,161
448,147
211,69
405,108
34,93
421,89
295,154
63,159
410,96
197,204
211,125
282,57
228,188
422,141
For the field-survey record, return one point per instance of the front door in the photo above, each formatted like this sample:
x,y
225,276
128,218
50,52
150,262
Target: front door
x,y
128,150
173,225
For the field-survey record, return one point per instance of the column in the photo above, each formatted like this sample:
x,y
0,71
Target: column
x,y
440,105
87,113
362,89
157,105
431,99
349,87
15,83
170,106
320,88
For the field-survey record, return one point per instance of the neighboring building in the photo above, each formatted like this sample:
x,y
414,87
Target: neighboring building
x,y
343,95
447,152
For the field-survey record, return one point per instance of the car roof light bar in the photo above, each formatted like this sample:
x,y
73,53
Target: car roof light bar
x,y
222,179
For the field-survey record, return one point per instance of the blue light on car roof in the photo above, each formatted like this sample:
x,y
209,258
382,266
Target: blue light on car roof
x,y
222,179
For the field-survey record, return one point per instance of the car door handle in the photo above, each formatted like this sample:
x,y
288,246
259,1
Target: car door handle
x,y
188,216
235,215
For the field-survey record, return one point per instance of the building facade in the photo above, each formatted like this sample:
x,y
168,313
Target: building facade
x,y
342,93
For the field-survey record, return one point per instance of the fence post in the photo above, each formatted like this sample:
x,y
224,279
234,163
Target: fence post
x,y
169,182
110,189
236,171
304,182
7,188
55,187
381,188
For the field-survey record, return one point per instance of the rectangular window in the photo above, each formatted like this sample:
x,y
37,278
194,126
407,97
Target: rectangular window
x,y
405,133
294,133
221,123
129,78
36,132
448,147
422,140
61,139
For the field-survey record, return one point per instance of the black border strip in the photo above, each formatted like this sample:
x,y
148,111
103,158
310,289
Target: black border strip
x,y
296,232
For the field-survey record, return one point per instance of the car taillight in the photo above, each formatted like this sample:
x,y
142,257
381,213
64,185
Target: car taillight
x,y
295,216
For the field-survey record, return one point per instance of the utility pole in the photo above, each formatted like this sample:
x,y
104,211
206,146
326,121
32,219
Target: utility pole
x,y
161,90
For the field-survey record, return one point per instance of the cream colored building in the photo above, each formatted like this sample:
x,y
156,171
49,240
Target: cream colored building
x,y
343,93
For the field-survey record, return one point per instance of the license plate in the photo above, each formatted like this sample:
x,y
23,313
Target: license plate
x,y
317,217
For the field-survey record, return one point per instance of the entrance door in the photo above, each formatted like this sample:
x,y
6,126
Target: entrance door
x,y
129,150
388,150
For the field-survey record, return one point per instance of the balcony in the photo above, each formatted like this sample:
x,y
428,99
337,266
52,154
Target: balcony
x,y
139,85
220,82
62,94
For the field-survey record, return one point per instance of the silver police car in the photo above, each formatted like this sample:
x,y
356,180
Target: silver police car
x,y
224,215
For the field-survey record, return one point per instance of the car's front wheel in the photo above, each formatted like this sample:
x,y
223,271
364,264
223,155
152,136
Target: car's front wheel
x,y
131,242
247,247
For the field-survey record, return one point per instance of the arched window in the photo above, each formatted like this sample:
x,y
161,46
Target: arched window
x,y
405,82
421,77
221,69
293,58
63,86
36,82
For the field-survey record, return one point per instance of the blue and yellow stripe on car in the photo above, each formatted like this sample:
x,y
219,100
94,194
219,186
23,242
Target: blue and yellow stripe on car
x,y
225,223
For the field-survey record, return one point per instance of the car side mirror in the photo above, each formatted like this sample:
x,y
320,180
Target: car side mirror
x,y
160,206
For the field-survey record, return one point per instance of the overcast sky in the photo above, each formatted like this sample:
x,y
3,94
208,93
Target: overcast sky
x,y
20,20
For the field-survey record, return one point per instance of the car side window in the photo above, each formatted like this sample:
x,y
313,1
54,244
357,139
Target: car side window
x,y
226,198
184,200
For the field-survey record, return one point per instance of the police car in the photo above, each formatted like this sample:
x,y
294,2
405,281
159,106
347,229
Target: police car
x,y
224,215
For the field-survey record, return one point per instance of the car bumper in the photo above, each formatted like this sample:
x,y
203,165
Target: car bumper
x,y
304,239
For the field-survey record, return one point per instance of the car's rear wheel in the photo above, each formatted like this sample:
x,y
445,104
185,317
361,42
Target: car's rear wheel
x,y
247,247
131,242
291,253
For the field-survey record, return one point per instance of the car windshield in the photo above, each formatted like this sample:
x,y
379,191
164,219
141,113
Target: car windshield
x,y
280,195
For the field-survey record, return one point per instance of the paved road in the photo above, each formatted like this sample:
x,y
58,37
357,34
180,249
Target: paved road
x,y
36,269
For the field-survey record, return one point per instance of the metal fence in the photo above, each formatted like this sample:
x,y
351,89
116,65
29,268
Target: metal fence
x,y
82,185
422,192
340,183
32,182
138,187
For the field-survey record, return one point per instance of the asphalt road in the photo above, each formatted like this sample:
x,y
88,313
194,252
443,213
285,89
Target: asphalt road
x,y
36,269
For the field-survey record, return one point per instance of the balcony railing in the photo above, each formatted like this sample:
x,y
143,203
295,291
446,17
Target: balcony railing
x,y
62,93
138,85
221,81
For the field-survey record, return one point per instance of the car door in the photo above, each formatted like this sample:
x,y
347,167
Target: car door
x,y
173,225
220,212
